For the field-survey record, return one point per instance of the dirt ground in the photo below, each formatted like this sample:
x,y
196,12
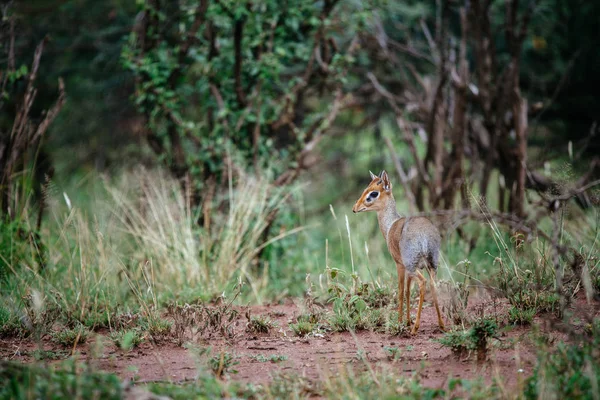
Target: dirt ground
x,y
316,357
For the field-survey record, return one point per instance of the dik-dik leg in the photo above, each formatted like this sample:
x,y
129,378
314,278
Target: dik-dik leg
x,y
401,275
407,294
422,283
435,300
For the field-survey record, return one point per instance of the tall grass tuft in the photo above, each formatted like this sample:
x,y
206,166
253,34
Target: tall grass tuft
x,y
136,246
154,214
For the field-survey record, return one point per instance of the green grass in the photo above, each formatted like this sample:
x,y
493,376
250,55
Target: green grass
x,y
127,340
135,261
302,327
70,337
569,371
223,363
259,324
273,358
66,380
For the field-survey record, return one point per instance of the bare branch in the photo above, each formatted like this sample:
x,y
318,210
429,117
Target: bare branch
x,y
238,31
403,177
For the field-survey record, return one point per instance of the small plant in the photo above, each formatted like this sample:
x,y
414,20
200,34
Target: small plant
x,y
65,380
361,355
206,386
569,371
207,320
41,355
518,316
71,337
97,319
393,353
158,328
223,364
291,386
349,314
459,342
127,340
302,328
259,324
274,358
481,332
393,327
457,295
9,325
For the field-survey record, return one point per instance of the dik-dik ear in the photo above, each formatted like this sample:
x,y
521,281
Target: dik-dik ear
x,y
373,176
387,186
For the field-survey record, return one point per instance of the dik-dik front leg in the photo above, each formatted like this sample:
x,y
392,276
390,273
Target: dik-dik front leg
x,y
401,276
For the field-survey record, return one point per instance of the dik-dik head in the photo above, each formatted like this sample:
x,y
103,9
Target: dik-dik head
x,y
376,195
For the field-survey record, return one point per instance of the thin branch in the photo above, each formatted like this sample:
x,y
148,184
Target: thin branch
x,y
238,31
52,113
403,177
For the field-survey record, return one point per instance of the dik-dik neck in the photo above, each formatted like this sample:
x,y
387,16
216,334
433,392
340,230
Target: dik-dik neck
x,y
388,216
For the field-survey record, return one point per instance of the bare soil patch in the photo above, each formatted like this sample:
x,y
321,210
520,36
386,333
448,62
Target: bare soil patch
x,y
321,355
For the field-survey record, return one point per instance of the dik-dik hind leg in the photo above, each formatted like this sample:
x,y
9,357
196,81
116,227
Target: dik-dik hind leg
x,y
422,282
401,276
408,283
435,300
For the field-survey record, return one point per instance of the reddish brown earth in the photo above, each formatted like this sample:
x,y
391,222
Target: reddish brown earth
x,y
323,355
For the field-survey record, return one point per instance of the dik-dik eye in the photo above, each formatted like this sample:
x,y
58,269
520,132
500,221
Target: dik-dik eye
x,y
372,196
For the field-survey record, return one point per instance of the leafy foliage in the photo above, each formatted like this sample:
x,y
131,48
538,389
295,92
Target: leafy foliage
x,y
214,76
127,340
66,380
463,342
570,371
71,337
223,363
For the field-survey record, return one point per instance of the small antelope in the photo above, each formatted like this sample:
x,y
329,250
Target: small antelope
x,y
413,242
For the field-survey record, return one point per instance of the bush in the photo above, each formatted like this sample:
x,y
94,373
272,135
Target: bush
x,y
71,337
572,371
459,342
67,380
127,340
9,324
462,342
519,316
17,246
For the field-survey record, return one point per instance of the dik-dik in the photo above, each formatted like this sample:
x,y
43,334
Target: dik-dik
x,y
413,242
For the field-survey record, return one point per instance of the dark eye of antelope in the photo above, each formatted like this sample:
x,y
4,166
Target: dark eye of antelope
x,y
372,196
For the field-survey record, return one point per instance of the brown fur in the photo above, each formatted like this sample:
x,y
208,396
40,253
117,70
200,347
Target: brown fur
x,y
412,242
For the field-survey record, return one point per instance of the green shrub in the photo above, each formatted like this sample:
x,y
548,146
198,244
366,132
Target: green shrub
x,y
274,358
17,246
71,337
459,342
302,327
481,332
66,380
9,324
518,316
260,324
223,363
205,387
127,340
462,342
572,371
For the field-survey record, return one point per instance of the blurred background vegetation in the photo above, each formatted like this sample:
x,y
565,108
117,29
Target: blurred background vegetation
x,y
198,142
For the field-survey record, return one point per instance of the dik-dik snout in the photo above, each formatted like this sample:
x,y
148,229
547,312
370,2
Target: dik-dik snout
x,y
375,196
